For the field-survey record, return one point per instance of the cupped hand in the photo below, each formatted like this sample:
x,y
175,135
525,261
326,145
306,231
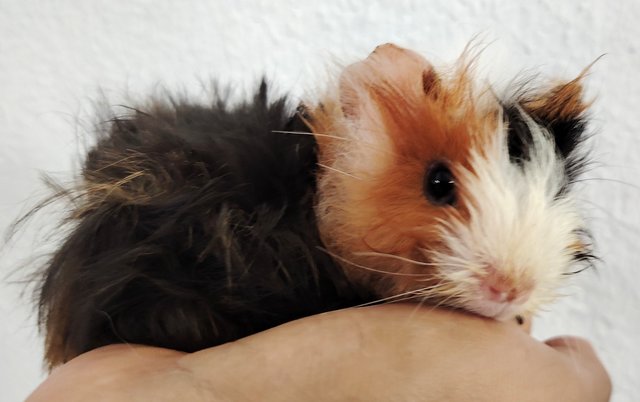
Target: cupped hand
x,y
383,353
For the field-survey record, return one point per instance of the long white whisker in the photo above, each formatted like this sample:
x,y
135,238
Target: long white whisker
x,y
335,137
455,262
416,308
617,181
368,268
415,293
452,264
403,299
394,298
339,171
450,260
446,300
397,257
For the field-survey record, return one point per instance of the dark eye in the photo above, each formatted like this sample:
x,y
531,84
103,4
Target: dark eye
x,y
439,185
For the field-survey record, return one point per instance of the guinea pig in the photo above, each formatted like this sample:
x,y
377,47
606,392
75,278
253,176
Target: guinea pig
x,y
432,189
193,225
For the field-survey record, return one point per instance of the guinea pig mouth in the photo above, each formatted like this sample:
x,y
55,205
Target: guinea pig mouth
x,y
501,311
498,296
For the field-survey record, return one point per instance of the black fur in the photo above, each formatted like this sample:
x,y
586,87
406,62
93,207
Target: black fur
x,y
195,227
568,135
518,134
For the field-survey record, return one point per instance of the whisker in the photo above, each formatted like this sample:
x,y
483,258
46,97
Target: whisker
x,y
403,300
338,171
398,297
437,288
461,265
610,216
417,308
392,299
335,137
367,268
630,185
407,298
452,261
393,256
446,301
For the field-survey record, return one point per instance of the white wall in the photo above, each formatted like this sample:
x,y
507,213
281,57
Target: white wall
x,y
56,57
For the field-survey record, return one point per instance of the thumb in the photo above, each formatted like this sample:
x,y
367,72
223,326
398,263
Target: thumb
x,y
582,359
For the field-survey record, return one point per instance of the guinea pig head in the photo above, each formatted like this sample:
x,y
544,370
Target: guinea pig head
x,y
432,189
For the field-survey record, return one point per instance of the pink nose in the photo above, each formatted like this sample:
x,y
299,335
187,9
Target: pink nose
x,y
498,287
499,293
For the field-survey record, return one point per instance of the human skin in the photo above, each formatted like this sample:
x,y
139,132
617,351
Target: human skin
x,y
383,353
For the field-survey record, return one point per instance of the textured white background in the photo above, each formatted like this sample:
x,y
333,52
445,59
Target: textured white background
x,y
57,57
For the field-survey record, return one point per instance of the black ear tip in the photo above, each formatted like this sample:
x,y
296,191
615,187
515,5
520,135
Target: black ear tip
x,y
568,134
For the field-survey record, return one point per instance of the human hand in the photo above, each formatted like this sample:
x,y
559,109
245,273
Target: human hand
x,y
382,353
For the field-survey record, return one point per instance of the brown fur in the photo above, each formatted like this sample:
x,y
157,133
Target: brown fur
x,y
564,101
424,118
191,225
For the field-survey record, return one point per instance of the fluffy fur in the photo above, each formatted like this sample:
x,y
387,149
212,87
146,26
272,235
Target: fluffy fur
x,y
503,247
193,225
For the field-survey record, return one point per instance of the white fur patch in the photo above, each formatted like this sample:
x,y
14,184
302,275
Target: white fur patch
x,y
516,225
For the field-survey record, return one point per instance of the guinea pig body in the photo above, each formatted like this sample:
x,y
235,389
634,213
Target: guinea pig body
x,y
439,191
196,225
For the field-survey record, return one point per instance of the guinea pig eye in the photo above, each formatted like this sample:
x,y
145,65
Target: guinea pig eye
x,y
440,185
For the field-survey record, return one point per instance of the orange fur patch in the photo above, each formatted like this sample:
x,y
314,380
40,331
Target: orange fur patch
x,y
562,102
394,112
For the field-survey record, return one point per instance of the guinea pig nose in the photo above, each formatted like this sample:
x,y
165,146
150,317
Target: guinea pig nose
x,y
498,287
498,293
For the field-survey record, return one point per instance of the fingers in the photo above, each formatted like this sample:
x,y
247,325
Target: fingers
x,y
583,360
569,342
104,372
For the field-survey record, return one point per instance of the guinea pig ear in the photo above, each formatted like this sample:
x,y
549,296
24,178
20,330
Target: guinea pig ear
x,y
390,69
431,84
562,110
